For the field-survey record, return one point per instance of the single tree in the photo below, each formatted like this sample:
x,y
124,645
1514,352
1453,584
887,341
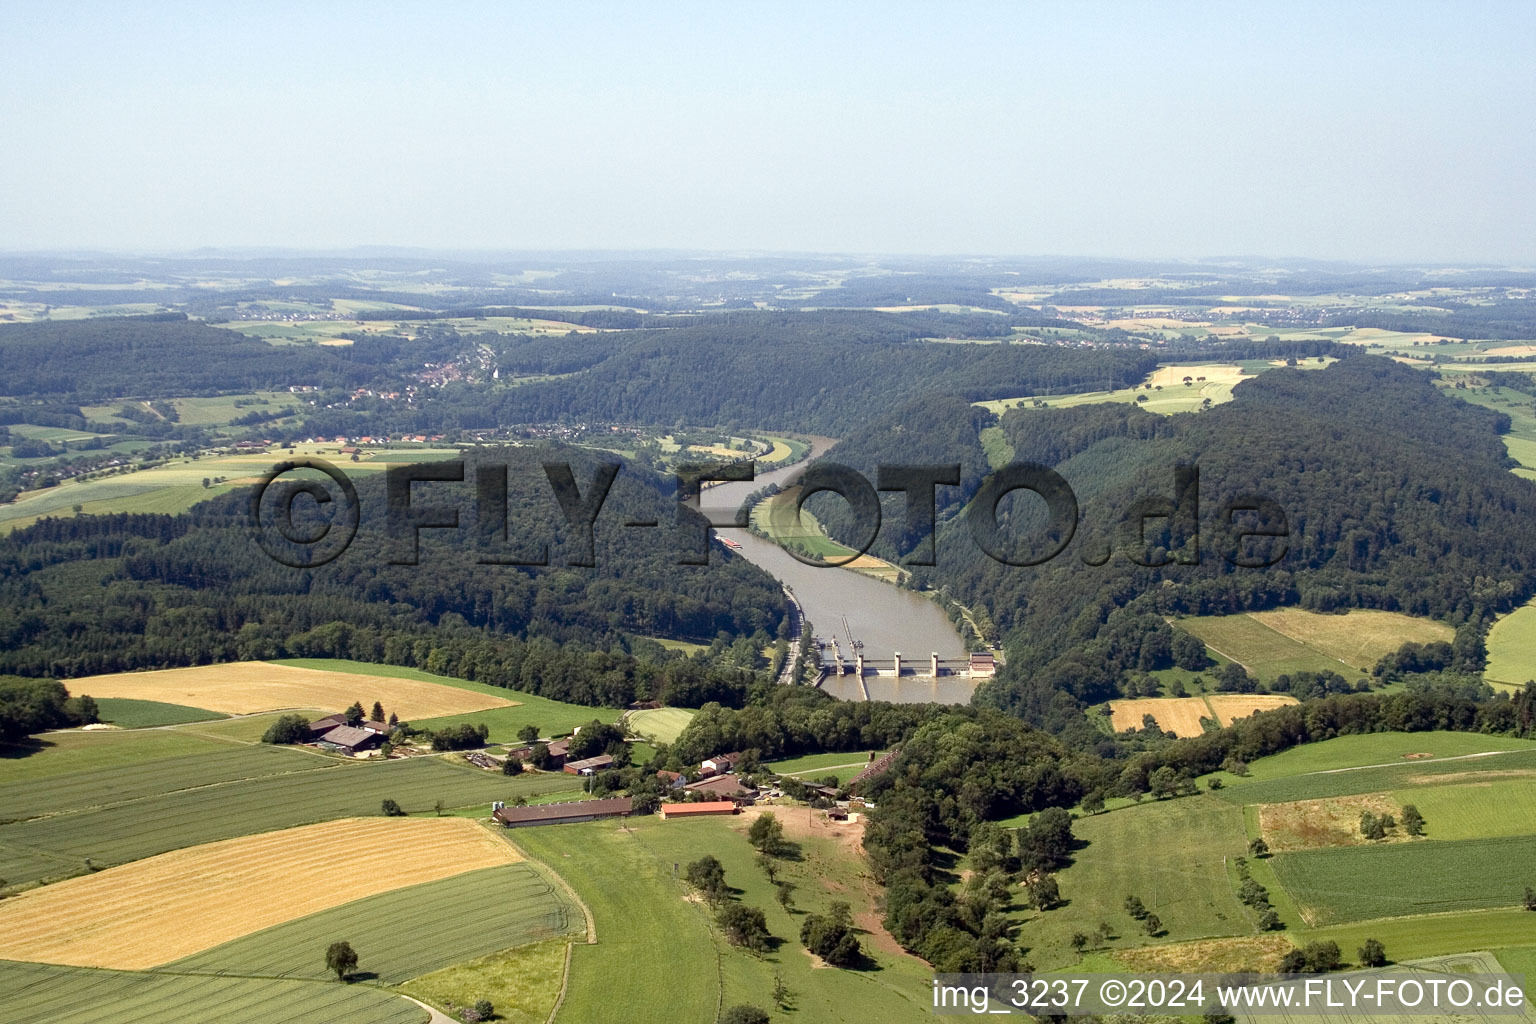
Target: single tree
x,y
1373,954
766,833
287,729
1269,921
377,714
528,733
1162,783
1413,821
786,896
1530,898
393,720
1044,893
769,866
744,926
355,714
1135,907
512,766
744,1014
341,958
391,809
1079,941
1152,923
708,876
780,991
1259,848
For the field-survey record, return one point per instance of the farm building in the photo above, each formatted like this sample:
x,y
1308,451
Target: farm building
x,y
320,726
589,765
560,750
698,810
565,813
875,769
351,740
724,787
719,764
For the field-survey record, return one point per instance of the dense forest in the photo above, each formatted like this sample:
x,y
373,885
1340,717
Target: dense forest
x,y
104,593
157,356
1394,495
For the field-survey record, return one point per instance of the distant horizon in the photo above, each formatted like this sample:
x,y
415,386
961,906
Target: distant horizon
x,y
1249,261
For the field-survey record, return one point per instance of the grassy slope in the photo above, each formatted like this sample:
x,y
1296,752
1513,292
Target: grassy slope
x,y
44,994
1362,882
126,713
1374,780
133,781
58,753
603,862
522,984
815,766
400,935
1169,854
662,725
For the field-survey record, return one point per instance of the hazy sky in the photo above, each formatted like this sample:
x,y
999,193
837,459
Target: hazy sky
x,y
1380,131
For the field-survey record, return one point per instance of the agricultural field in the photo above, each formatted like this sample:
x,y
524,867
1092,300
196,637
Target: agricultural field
x,y
145,914
1170,854
1395,879
248,687
1182,716
1163,391
1512,648
410,931
1289,640
58,753
522,983
1373,749
625,876
46,994
202,765
126,713
660,725
815,766
59,845
553,717
1518,763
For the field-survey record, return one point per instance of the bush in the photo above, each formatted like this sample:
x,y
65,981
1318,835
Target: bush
x,y
1373,954
391,809
831,936
744,926
512,766
744,1014
288,729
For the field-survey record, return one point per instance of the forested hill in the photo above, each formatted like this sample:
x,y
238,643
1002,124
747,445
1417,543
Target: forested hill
x,y
1397,496
95,594
824,372
157,357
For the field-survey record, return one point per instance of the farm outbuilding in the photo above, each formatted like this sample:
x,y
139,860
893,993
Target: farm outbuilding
x,y
564,813
589,765
347,738
698,810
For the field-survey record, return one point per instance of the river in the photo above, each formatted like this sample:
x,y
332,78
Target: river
x,y
884,617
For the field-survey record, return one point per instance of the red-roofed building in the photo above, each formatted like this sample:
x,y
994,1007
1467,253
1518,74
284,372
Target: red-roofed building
x,y
697,810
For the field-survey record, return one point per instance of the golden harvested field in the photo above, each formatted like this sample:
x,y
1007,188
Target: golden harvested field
x,y
1311,824
1231,706
1181,715
1214,955
1359,638
1178,715
1173,376
163,908
248,687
